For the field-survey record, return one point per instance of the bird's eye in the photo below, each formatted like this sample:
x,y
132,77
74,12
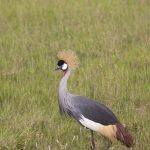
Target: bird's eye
x,y
64,66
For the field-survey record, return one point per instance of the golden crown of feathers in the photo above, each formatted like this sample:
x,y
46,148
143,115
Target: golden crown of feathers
x,y
69,57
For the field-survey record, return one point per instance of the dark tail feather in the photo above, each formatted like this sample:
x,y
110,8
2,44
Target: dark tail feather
x,y
124,136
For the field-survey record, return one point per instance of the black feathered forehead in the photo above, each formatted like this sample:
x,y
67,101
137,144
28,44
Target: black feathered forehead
x,y
61,62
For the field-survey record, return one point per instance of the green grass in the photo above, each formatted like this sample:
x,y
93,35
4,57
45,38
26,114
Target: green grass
x,y
112,40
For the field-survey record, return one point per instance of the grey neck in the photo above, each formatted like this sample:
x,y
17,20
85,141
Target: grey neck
x,y
63,82
64,100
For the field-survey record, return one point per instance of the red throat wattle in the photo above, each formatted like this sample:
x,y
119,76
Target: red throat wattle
x,y
64,72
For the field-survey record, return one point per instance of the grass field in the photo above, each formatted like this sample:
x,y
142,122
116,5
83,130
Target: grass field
x,y
112,40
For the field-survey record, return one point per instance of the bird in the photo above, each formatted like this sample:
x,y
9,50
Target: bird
x,y
87,112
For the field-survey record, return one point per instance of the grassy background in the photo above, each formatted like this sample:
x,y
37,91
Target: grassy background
x,y
112,40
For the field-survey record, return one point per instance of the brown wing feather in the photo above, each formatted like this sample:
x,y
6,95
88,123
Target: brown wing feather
x,y
123,135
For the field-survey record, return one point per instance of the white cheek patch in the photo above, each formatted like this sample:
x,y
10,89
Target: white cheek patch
x,y
65,66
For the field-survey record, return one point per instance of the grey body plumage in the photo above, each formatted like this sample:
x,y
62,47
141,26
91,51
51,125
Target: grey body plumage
x,y
91,114
76,106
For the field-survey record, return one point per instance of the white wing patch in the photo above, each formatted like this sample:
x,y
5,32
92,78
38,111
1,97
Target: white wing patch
x,y
108,131
90,124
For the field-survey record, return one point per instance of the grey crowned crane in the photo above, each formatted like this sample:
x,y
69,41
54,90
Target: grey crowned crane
x,y
89,113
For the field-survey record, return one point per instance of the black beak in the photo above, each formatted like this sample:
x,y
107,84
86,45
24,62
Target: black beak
x,y
57,68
